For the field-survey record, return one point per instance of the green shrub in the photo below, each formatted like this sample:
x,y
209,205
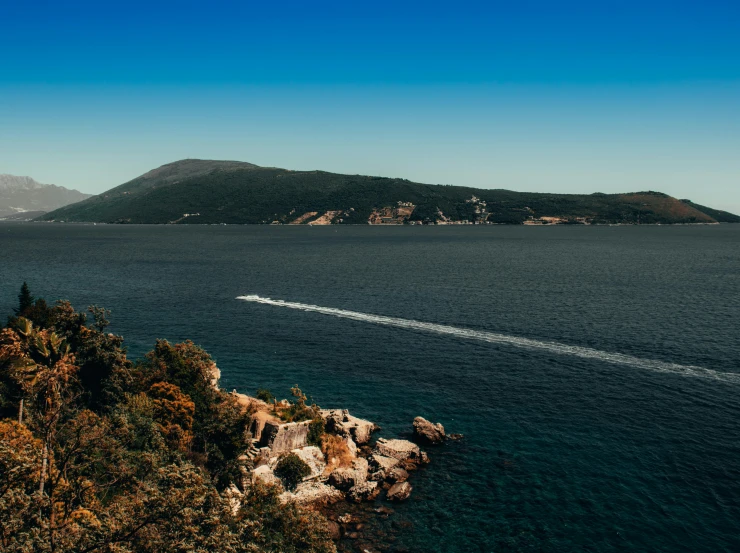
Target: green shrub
x,y
265,395
315,431
291,470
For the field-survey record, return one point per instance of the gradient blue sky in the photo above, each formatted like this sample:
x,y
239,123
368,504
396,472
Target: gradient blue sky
x,y
541,96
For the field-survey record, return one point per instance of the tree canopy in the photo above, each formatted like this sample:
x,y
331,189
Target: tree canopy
x,y
114,455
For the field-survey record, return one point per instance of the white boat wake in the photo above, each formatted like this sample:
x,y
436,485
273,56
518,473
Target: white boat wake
x,y
495,338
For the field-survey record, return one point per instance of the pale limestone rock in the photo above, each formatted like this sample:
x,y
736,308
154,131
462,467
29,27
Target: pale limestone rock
x,y
314,458
346,478
403,450
313,494
234,498
427,432
284,437
399,492
398,474
364,491
382,462
339,421
351,446
215,373
264,473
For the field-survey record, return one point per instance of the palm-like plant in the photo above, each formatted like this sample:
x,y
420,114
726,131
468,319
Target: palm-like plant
x,y
44,370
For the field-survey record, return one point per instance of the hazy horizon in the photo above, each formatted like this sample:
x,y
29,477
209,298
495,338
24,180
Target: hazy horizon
x,y
580,99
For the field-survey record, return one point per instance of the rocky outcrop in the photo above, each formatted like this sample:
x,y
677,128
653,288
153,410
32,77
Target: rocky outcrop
x,y
364,492
401,450
347,478
234,496
265,475
340,422
380,466
398,474
428,433
399,492
344,468
313,457
215,373
313,494
281,438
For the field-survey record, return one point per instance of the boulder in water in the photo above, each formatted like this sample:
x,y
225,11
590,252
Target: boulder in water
x,y
399,492
427,432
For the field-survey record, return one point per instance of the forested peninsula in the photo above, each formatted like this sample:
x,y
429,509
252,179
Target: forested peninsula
x,y
101,453
194,191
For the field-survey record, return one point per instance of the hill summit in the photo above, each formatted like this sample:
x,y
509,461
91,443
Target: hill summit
x,y
193,191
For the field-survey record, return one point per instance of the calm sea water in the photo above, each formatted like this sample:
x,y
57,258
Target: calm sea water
x,y
562,452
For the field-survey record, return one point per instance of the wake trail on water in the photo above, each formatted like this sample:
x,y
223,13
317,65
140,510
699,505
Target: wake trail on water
x,y
515,341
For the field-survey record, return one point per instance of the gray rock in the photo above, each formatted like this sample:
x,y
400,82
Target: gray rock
x,y
381,462
264,474
340,422
380,466
399,492
397,474
346,478
312,493
427,432
282,437
364,492
401,450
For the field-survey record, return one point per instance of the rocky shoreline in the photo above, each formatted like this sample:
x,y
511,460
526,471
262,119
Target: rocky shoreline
x,y
348,476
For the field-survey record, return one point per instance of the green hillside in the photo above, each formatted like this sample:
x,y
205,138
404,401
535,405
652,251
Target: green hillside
x,y
717,214
211,192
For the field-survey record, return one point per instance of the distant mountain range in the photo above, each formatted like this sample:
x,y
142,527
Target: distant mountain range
x,y
196,191
22,198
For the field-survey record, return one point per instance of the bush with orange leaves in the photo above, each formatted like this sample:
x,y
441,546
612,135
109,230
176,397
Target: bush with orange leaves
x,y
337,453
174,411
118,457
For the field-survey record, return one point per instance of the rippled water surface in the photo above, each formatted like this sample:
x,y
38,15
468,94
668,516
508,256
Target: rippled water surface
x,y
594,371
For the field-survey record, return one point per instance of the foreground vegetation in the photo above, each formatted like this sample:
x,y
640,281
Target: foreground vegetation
x,y
212,192
102,454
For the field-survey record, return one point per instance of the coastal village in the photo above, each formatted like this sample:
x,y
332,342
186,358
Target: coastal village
x,y
401,214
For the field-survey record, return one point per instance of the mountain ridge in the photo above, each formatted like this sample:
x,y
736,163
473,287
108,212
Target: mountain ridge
x,y
21,194
194,191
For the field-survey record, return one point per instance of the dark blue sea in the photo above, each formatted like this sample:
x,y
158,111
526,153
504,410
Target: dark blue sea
x,y
594,371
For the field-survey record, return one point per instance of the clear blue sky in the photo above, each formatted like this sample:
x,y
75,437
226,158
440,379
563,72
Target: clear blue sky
x,y
528,95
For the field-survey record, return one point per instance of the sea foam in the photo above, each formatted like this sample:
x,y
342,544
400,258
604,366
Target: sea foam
x,y
515,341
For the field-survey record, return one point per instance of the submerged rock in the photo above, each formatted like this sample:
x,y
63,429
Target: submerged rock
x,y
399,492
427,432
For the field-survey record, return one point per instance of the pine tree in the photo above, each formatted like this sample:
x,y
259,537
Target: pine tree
x,y
25,299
